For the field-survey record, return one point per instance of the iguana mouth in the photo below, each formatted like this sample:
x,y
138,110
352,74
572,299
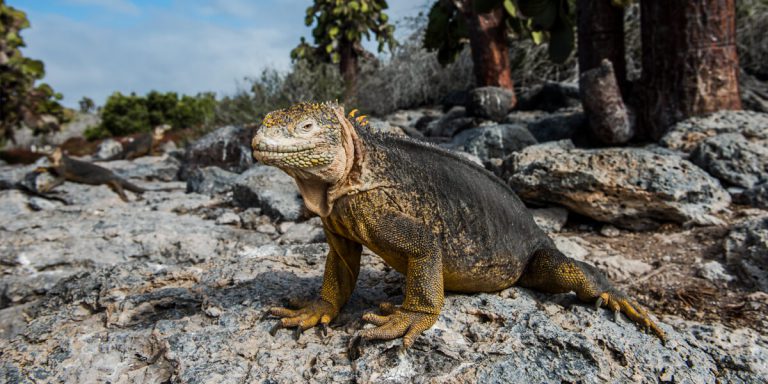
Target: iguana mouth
x,y
270,149
296,156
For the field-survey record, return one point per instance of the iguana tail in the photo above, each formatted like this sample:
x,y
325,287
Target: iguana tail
x,y
132,187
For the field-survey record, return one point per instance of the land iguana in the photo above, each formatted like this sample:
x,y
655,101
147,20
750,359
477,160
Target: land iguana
x,y
142,145
442,221
66,168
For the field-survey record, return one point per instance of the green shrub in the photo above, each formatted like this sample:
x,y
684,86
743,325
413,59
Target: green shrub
x,y
125,115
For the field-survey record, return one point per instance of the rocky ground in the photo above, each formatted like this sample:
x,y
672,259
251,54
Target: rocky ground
x,y
173,287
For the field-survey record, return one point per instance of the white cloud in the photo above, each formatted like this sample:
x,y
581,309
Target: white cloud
x,y
167,53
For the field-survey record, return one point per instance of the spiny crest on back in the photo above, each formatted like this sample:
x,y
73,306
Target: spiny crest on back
x,y
323,113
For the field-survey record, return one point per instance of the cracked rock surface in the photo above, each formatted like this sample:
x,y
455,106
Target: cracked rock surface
x,y
140,322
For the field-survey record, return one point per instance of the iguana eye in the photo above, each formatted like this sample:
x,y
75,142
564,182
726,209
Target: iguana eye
x,y
305,127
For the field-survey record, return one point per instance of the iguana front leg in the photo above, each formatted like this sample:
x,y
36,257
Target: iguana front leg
x,y
424,293
342,267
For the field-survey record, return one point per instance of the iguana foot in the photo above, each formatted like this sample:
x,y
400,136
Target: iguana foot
x,y
397,322
618,302
316,312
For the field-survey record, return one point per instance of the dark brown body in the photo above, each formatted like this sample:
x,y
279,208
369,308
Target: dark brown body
x,y
485,233
141,145
68,169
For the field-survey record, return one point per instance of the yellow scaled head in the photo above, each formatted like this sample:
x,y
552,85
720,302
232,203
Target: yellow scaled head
x,y
303,140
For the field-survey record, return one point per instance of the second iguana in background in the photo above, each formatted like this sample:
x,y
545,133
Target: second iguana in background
x,y
143,145
442,221
65,168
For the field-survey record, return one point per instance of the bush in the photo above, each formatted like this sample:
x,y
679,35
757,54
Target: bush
x,y
124,115
274,90
751,41
411,77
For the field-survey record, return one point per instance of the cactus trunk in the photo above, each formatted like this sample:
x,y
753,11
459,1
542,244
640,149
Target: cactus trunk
x,y
348,69
490,49
601,36
690,64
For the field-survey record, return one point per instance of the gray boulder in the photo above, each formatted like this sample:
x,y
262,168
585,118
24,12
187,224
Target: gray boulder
x,y
550,97
210,180
383,126
412,118
205,323
449,124
628,187
310,231
493,142
733,159
746,247
560,125
270,189
228,148
687,134
550,219
490,103
756,196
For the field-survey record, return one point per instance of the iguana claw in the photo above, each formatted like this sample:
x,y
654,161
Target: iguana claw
x,y
274,329
324,329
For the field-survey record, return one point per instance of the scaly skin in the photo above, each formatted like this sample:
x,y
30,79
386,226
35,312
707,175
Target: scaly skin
x,y
442,221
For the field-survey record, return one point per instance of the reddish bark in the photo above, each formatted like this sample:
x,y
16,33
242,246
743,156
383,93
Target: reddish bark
x,y
490,48
601,36
690,64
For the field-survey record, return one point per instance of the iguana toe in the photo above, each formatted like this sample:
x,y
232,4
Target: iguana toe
x,y
317,312
398,323
619,303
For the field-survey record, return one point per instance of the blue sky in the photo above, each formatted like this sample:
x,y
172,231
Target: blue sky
x,y
95,47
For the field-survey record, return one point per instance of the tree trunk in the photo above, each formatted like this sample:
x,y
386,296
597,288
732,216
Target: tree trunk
x,y
348,69
490,49
601,36
690,64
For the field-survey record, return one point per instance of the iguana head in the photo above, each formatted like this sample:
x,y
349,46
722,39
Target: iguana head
x,y
56,156
307,141
159,132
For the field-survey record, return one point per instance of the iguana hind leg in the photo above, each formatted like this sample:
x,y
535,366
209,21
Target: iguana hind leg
x,y
551,271
116,187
